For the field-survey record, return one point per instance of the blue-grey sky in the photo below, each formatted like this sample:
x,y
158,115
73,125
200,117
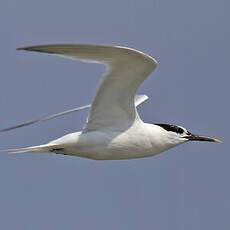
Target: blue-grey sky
x,y
186,187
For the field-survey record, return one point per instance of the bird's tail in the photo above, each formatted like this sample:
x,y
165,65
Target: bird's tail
x,y
39,148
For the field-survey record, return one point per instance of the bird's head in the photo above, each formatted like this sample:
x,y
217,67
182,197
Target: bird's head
x,y
178,135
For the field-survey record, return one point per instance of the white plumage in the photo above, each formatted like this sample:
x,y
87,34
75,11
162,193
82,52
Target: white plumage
x,y
114,129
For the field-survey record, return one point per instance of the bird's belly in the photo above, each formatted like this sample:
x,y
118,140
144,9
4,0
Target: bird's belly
x,y
113,146
111,152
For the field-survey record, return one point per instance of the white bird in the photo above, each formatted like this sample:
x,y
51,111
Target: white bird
x,y
113,129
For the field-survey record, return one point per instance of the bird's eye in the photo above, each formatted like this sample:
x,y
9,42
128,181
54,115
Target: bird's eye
x,y
179,130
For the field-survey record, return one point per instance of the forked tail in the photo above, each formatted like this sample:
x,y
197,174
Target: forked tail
x,y
39,148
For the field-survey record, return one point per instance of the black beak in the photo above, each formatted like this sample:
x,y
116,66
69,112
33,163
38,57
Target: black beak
x,y
193,137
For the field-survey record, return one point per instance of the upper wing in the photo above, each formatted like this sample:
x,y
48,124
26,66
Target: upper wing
x,y
113,106
139,99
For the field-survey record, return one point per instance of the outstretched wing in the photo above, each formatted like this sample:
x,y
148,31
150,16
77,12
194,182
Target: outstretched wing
x,y
113,107
139,99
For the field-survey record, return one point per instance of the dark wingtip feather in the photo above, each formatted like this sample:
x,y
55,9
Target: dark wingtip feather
x,y
24,48
34,48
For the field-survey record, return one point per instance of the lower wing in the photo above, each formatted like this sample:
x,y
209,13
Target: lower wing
x,y
139,99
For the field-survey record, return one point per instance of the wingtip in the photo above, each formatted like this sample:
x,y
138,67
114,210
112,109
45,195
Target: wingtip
x,y
146,96
23,48
31,48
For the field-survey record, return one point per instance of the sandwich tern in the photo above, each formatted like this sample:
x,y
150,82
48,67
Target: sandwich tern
x,y
113,130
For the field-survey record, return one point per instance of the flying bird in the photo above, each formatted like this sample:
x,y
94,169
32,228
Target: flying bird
x,y
114,129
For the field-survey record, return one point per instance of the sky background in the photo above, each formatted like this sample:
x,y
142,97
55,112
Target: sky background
x,y
186,187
